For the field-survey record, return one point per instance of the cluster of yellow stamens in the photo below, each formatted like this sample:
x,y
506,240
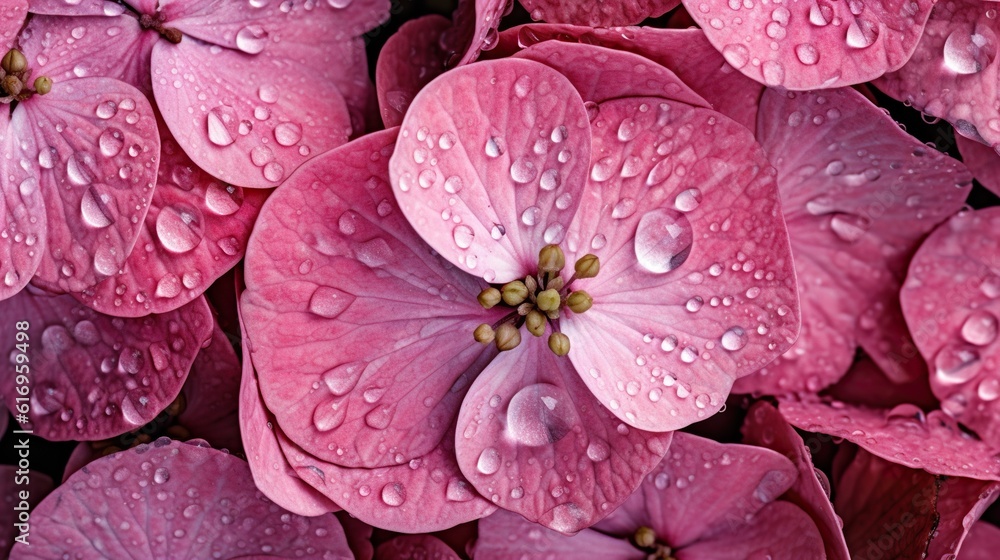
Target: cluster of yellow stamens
x,y
645,538
538,300
14,75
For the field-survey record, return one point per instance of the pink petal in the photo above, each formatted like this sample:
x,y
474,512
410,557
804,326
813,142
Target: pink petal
x,y
4,418
702,489
981,542
696,282
854,220
83,134
96,376
597,13
212,394
780,531
891,511
11,20
415,547
12,482
410,59
765,426
618,74
533,439
951,304
951,74
474,30
213,500
426,494
22,214
982,161
82,8
359,535
866,384
509,138
197,228
902,435
362,338
819,44
505,535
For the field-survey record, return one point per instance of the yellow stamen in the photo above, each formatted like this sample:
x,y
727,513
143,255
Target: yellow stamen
x,y
43,85
14,62
535,322
489,297
548,300
559,344
508,337
514,293
579,301
551,259
484,334
588,266
645,537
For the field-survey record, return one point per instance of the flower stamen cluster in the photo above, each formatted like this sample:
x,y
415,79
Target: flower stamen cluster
x,y
14,76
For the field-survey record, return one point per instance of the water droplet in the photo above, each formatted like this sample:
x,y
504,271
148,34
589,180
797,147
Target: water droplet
x,y
161,475
287,134
489,461
96,209
179,227
663,240
106,109
980,328
734,339
849,227
251,39
329,415
329,302
522,171
953,364
774,73
598,451
463,236
540,414
224,200
966,53
111,142
78,167
168,287
862,33
989,389
268,93
627,130
689,354
222,123
550,180
495,147
603,169
530,215
687,200
736,55
807,54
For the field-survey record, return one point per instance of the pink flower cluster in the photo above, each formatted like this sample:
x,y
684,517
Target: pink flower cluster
x,y
637,279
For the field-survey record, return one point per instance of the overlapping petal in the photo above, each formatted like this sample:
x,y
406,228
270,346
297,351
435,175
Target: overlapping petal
x,y
981,542
507,535
983,162
17,512
23,213
415,547
410,59
597,13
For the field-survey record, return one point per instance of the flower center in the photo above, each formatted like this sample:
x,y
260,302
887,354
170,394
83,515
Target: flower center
x,y
155,23
538,301
645,539
14,77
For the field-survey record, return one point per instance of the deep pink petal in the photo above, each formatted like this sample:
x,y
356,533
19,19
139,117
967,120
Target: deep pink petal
x,y
816,44
196,229
361,336
981,543
891,511
211,394
96,376
12,482
597,13
410,59
510,138
534,440
951,304
213,511
696,286
951,73
415,547
97,144
22,213
902,435
765,426
982,160
11,20
359,535
866,384
780,531
702,488
474,30
856,209
4,418
505,535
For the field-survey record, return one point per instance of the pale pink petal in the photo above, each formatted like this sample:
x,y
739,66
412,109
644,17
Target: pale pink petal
x,y
597,13
11,20
197,228
981,543
815,44
505,535
96,142
779,531
616,74
902,435
952,302
16,516
211,393
95,376
22,213
982,160
765,426
891,511
509,137
951,73
534,440
361,336
696,286
856,208
214,511
426,494
474,30
82,8
702,488
415,547
410,59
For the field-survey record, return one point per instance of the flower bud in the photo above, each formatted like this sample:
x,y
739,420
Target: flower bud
x,y
579,301
645,537
484,334
12,84
588,266
548,300
508,337
14,62
489,297
535,322
559,344
514,293
551,259
43,85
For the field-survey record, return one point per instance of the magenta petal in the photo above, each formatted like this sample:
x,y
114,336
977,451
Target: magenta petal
x,y
816,44
212,394
702,488
11,20
212,500
97,144
506,535
866,384
415,547
983,162
96,376
474,30
696,285
509,137
951,73
891,511
196,229
362,337
22,214
951,304
981,543
780,531
4,418
597,13
533,439
12,482
410,59
765,426
902,435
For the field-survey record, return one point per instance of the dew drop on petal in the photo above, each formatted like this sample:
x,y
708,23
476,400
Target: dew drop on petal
x,y
540,414
734,339
953,364
489,461
980,328
663,240
251,39
393,494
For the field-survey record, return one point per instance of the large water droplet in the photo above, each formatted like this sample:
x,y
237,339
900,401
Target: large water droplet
x,y
463,236
734,339
662,240
394,494
862,33
980,328
251,39
222,124
523,171
954,364
329,302
287,134
329,415
807,53
224,200
111,142
179,227
969,53
97,209
489,461
540,414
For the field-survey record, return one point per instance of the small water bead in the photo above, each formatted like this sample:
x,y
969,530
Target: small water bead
x,y
689,354
463,236
625,208
603,169
736,55
669,343
111,142
980,328
161,475
694,304
807,54
222,123
559,134
251,39
106,109
550,180
426,178
523,171
447,140
287,134
273,171
222,199
687,200
531,215
489,461
96,209
989,389
598,450
495,147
